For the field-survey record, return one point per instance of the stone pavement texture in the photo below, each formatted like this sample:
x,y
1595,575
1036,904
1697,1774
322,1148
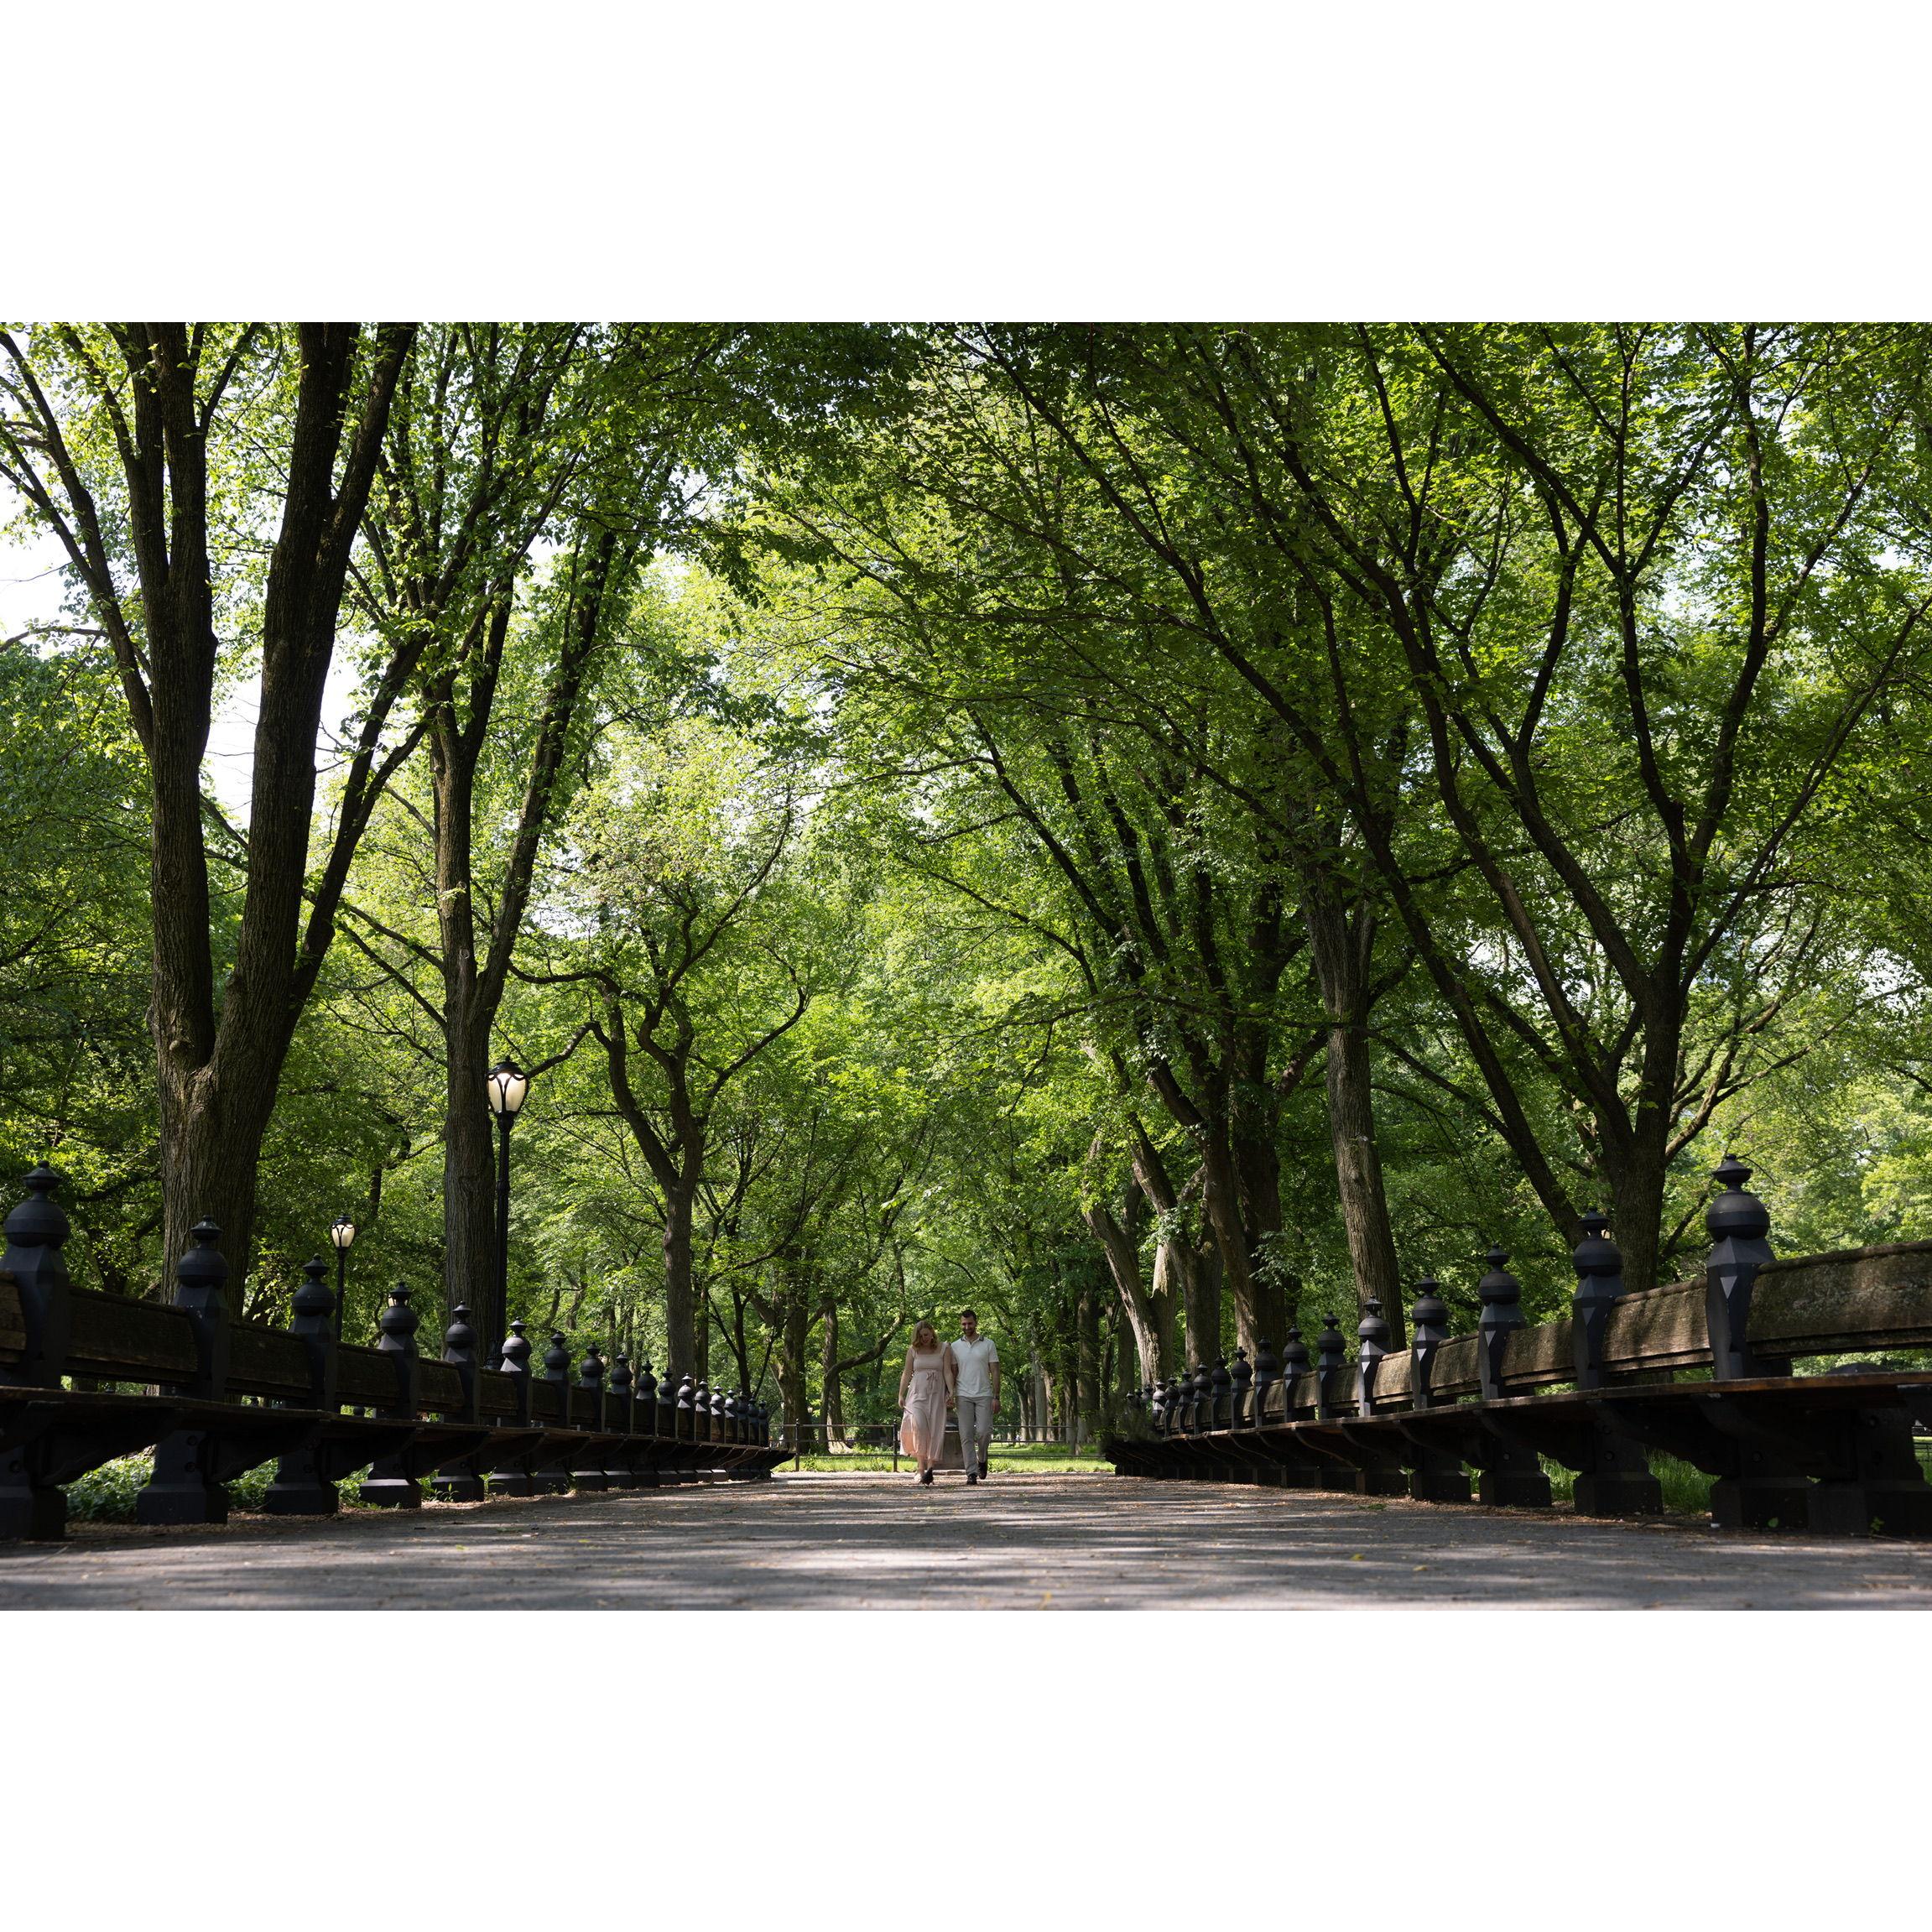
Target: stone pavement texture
x,y
839,1542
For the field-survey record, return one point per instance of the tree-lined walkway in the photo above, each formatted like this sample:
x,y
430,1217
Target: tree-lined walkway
x,y
856,1542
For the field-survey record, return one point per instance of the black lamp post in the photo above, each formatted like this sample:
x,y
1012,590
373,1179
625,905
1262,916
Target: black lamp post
x,y
506,1085
342,1232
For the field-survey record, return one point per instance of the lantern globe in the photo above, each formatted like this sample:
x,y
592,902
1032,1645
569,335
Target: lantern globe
x,y
507,1084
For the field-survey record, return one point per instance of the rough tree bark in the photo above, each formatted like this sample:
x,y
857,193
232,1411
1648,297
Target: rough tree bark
x,y
220,1042
1187,1277
1119,1237
472,985
1341,945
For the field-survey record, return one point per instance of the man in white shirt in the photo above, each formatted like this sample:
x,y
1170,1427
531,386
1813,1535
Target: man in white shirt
x,y
975,1392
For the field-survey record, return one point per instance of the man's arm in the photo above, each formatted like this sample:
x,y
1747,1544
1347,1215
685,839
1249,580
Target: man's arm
x,y
994,1366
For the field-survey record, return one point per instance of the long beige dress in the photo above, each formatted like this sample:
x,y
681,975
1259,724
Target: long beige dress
x,y
923,1432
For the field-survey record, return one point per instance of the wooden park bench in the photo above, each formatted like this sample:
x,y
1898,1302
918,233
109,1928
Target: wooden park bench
x,y
1701,1369
220,1396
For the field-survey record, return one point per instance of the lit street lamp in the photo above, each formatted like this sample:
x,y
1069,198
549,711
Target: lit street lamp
x,y
342,1232
506,1085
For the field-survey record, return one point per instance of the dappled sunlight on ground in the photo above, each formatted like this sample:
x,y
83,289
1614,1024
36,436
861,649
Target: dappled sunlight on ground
x,y
1020,1542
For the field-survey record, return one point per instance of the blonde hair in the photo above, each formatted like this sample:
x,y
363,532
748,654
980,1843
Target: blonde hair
x,y
924,1328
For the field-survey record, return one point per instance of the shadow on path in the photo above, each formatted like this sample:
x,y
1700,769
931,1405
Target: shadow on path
x,y
849,1542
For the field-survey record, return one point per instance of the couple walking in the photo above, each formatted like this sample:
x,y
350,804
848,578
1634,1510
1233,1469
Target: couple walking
x,y
964,1375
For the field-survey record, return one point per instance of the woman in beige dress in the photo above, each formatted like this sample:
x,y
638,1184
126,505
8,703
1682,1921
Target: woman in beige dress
x,y
925,1392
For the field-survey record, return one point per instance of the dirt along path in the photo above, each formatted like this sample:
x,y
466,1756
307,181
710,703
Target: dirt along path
x,y
851,1542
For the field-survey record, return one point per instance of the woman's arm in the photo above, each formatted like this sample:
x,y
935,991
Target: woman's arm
x,y
905,1379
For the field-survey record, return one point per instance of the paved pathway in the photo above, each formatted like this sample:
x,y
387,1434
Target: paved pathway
x,y
1022,1542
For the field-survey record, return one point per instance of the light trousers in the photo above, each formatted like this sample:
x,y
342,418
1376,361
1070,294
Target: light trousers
x,y
976,1430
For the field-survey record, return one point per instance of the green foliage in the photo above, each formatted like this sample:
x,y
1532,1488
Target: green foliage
x,y
106,1494
944,829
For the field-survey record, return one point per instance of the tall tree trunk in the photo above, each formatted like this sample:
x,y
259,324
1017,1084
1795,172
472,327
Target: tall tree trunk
x,y
1635,1158
1199,1292
791,1345
1256,1164
1220,1204
1091,1400
1342,951
470,1262
680,1310
831,1395
1127,1379
219,1057
474,974
1122,1253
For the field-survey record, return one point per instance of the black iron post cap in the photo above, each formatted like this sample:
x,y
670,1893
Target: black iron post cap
x,y
1428,1307
38,1222
557,1355
399,1318
459,1334
1221,1378
1736,1214
1372,1327
204,1265
1498,1286
1331,1351
1597,1253
517,1350
315,1296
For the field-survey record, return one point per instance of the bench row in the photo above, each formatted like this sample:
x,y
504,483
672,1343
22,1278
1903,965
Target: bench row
x,y
226,1397
1834,1452
49,1438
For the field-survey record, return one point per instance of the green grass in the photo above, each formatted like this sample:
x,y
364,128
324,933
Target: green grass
x,y
106,1494
1039,1458
1686,1490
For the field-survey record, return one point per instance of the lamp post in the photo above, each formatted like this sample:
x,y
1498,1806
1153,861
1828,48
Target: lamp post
x,y
506,1085
342,1232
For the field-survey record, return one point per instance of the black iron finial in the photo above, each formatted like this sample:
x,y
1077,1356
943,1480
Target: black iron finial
x,y
1738,1223
517,1350
1599,1264
1428,1328
314,1299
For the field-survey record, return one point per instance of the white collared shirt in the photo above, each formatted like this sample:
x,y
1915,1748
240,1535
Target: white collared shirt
x,y
971,1363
